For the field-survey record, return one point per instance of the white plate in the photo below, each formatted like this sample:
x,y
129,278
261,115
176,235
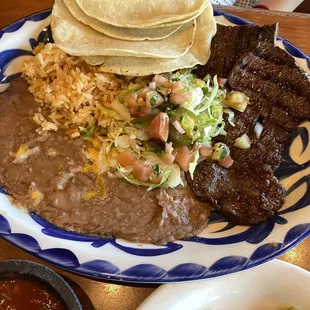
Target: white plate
x,y
269,287
220,250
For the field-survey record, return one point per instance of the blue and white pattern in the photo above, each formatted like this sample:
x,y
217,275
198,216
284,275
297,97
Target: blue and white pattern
x,y
221,249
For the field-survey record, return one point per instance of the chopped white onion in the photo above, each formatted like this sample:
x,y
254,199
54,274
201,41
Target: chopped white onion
x,y
168,148
149,99
152,85
258,129
122,141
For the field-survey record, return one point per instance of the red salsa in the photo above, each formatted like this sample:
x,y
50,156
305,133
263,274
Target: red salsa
x,y
19,293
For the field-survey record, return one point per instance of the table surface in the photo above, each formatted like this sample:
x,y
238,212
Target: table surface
x,y
102,295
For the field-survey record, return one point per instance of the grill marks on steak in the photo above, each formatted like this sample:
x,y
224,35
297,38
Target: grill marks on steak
x,y
229,43
279,99
279,91
126,211
244,198
278,87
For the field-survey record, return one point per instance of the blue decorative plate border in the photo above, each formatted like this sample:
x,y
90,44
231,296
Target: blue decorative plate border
x,y
152,273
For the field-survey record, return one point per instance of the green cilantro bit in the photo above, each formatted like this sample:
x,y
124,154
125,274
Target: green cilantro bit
x,y
89,131
151,146
103,131
157,169
175,79
139,122
154,99
207,78
138,109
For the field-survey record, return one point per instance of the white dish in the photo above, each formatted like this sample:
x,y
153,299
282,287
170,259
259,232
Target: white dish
x,y
268,287
221,249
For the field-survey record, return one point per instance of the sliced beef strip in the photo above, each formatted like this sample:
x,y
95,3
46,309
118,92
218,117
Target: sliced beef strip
x,y
121,210
279,94
286,74
229,43
283,119
287,87
245,199
276,101
263,156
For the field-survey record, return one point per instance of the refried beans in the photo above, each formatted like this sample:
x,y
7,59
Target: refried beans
x,y
49,181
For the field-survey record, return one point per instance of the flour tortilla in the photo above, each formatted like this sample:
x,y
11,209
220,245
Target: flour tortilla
x,y
140,13
77,39
131,34
198,54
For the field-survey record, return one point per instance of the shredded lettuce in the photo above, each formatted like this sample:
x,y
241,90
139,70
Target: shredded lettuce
x,y
185,77
195,99
214,98
206,103
231,116
131,88
108,113
134,181
188,121
122,141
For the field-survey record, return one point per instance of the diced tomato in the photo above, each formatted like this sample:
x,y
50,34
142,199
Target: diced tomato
x,y
221,81
159,127
226,162
146,111
142,92
205,151
178,98
131,99
168,158
159,79
155,179
174,86
142,172
183,157
126,159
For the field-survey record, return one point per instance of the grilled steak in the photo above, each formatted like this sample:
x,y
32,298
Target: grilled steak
x,y
279,92
229,43
244,198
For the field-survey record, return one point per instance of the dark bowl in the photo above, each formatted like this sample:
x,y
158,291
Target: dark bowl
x,y
43,274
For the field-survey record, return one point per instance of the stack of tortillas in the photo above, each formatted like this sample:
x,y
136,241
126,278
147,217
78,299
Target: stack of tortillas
x,y
135,37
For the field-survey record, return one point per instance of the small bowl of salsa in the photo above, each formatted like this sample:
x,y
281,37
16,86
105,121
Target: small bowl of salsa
x,y
27,285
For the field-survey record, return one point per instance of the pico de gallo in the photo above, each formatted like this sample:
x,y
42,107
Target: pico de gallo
x,y
162,126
